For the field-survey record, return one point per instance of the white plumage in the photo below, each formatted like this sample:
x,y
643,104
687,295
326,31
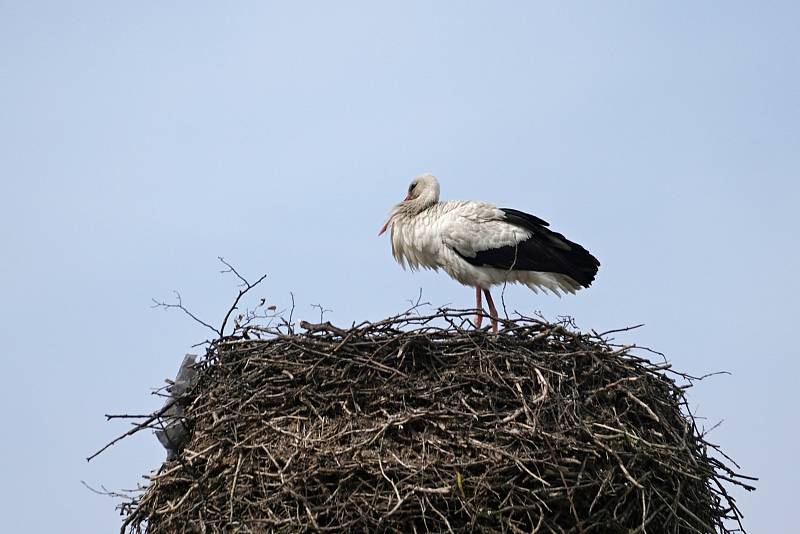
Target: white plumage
x,y
481,245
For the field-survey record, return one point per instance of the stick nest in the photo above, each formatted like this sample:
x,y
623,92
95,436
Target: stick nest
x,y
419,423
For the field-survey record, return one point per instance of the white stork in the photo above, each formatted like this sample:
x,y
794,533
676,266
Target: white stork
x,y
481,245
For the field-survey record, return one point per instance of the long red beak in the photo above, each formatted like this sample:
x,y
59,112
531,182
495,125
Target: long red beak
x,y
385,226
389,220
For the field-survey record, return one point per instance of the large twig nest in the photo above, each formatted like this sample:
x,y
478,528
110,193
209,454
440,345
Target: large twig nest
x,y
418,424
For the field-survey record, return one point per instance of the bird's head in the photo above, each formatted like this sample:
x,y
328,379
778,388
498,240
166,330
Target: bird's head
x,y
423,192
424,189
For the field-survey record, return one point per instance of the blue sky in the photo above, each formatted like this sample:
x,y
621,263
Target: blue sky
x,y
139,141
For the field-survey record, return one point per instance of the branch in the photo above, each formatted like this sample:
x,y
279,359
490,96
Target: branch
x,y
242,292
139,426
180,306
322,311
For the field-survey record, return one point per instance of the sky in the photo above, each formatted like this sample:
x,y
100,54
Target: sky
x,y
139,141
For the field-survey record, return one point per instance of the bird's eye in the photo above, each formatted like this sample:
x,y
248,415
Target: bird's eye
x,y
411,187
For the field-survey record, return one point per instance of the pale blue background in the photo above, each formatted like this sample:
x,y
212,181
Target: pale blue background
x,y
140,140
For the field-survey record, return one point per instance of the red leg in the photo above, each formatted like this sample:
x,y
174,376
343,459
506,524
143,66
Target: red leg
x,y
479,307
492,309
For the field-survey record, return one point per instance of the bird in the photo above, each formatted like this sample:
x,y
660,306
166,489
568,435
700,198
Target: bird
x,y
481,245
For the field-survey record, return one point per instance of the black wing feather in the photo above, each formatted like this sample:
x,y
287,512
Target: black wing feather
x,y
545,251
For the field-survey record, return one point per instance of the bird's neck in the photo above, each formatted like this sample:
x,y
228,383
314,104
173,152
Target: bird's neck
x,y
414,207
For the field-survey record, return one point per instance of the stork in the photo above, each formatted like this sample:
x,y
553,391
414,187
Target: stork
x,y
481,245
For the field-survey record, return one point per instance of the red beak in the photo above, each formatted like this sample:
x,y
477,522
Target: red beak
x,y
385,226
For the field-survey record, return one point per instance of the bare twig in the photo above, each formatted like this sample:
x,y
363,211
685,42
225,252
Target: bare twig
x,y
179,305
322,311
242,292
136,428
